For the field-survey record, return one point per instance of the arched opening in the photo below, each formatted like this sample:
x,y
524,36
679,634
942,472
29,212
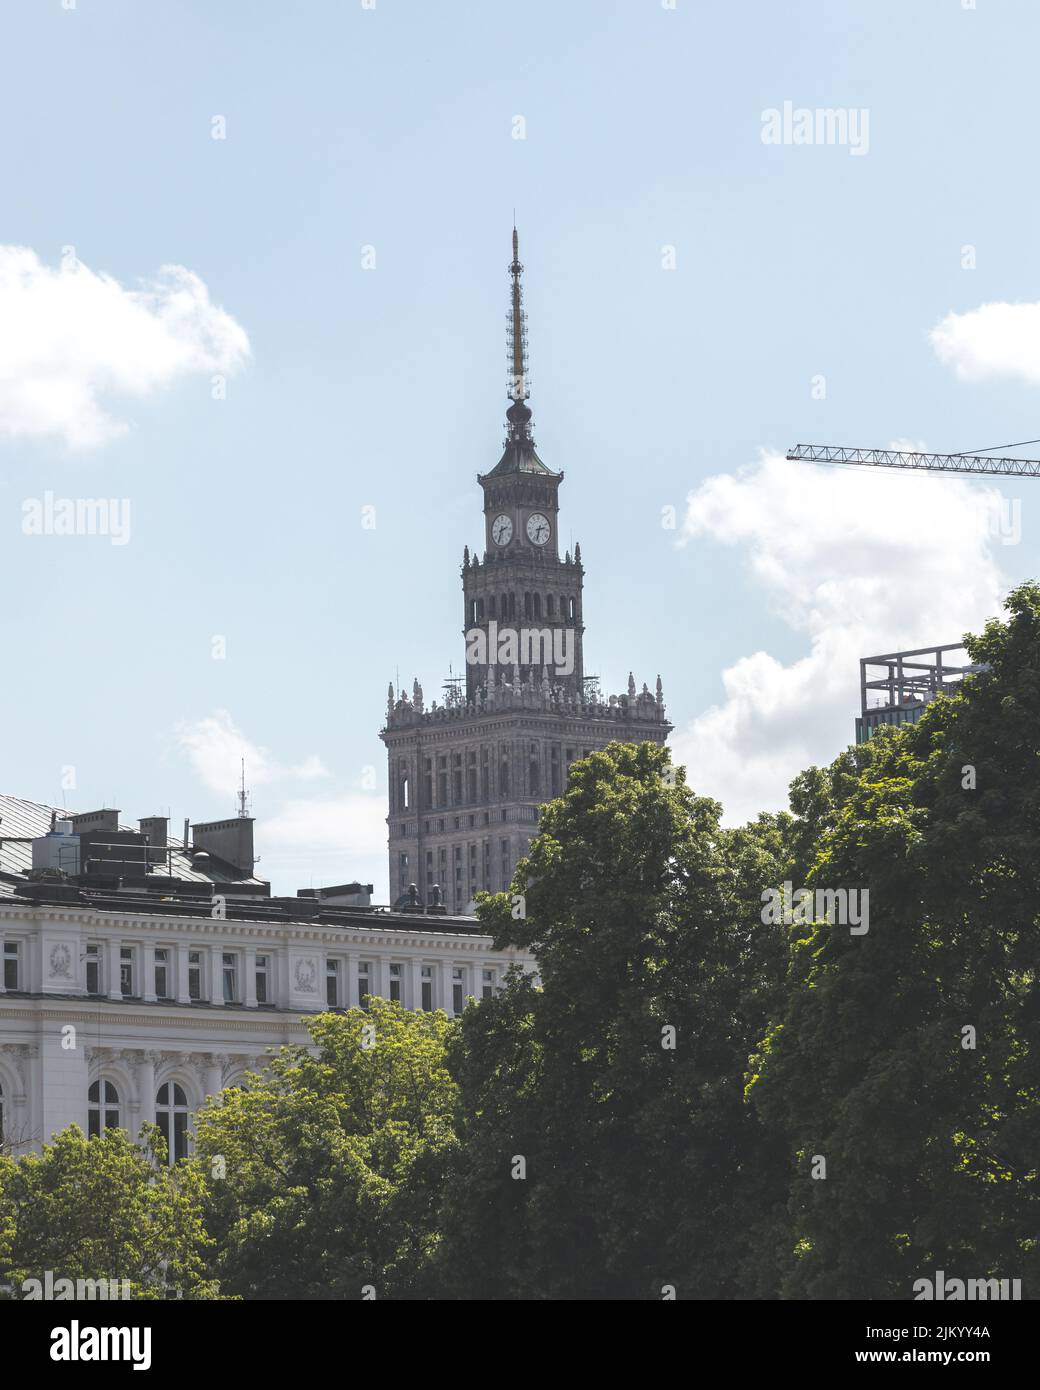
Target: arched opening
x,y
171,1115
102,1108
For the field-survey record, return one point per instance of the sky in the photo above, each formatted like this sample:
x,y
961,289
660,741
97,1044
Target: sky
x,y
253,291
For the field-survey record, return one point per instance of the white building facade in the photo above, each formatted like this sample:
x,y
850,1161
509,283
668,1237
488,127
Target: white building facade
x,y
114,1017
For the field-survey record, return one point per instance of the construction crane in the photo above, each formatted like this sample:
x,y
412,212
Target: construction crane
x,y
935,463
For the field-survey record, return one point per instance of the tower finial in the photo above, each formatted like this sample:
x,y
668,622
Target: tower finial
x,y
519,413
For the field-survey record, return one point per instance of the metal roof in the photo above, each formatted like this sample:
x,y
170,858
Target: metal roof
x,y
21,822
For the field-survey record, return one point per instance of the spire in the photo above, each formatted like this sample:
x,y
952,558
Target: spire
x,y
519,413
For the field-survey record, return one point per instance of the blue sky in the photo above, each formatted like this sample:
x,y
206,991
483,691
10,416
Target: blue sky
x,y
393,128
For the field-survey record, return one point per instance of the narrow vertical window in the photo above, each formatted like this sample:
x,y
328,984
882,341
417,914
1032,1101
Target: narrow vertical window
x,y
126,971
195,975
456,991
332,983
162,973
93,968
364,982
230,967
261,979
395,982
426,981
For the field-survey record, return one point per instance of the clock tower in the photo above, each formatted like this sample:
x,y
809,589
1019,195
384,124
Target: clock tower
x,y
467,778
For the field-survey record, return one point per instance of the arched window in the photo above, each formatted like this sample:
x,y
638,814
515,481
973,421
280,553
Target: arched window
x,y
102,1108
492,607
550,606
171,1115
527,605
537,605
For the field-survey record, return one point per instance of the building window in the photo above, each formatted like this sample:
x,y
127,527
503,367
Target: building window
x,y
485,775
93,968
534,772
364,982
261,979
456,991
395,982
230,977
487,987
442,780
12,965
456,778
427,784
426,981
332,983
171,1115
554,771
126,971
162,973
102,1108
503,775
195,975
471,776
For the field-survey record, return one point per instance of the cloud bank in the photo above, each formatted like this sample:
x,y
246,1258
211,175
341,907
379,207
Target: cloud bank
x,y
71,337
994,340
855,564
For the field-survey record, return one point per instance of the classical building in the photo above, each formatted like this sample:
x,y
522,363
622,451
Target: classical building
x,y
467,777
141,972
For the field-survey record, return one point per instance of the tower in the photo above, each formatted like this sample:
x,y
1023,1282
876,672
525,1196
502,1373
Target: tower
x,y
466,778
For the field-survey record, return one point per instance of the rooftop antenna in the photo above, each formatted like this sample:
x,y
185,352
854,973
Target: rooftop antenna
x,y
242,794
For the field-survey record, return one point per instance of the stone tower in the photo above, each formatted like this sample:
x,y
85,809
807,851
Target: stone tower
x,y
467,778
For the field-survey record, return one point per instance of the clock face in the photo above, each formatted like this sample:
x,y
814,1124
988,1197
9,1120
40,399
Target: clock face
x,y
502,530
538,529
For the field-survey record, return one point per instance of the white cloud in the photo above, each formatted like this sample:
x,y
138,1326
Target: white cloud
x,y
70,337
991,341
215,748
856,564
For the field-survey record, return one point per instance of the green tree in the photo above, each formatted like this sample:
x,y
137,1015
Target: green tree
x,y
103,1209
326,1170
619,1082
931,1143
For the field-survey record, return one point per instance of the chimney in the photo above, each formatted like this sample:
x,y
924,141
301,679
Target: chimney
x,y
105,820
155,828
230,840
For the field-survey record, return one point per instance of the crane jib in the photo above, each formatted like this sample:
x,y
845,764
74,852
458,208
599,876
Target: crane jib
x,y
901,458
